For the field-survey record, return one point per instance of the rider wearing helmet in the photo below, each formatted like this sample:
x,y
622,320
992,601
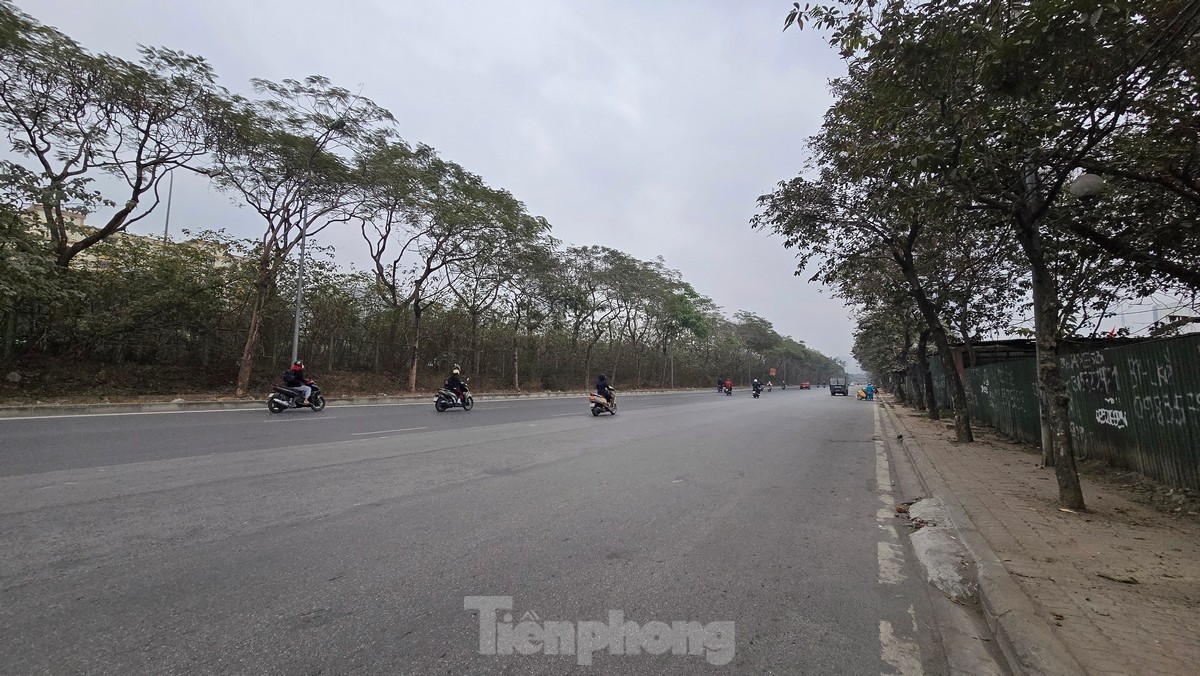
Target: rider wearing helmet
x,y
454,383
757,386
296,378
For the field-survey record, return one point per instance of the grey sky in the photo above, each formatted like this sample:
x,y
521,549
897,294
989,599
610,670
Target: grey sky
x,y
647,126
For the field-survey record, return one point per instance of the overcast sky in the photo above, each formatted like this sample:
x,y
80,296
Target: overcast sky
x,y
648,126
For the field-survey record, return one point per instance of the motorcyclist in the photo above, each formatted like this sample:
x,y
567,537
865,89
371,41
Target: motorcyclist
x,y
720,385
728,385
604,389
757,386
296,378
455,384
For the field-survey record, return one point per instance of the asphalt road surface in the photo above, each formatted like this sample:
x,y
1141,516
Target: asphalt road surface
x,y
690,533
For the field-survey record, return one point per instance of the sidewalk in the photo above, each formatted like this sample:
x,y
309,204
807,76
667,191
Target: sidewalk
x,y
1118,586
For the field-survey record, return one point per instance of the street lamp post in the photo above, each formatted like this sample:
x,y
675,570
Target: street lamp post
x,y
337,125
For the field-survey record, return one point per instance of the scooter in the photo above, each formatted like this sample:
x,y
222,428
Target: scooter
x,y
729,391
447,399
283,398
603,405
757,391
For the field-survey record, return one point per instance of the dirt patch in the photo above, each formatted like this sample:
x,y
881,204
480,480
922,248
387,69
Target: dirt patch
x,y
59,381
53,381
1181,503
1178,502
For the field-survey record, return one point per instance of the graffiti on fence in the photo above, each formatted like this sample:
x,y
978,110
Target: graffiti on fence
x,y
1112,416
1157,375
1165,409
1092,373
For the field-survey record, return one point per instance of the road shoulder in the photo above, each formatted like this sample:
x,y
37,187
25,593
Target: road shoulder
x,y
1110,590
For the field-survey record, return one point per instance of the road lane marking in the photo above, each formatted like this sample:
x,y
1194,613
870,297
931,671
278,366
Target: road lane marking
x,y
110,415
883,474
902,655
405,429
891,563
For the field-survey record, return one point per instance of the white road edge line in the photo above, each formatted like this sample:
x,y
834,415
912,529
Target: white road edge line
x,y
406,429
109,415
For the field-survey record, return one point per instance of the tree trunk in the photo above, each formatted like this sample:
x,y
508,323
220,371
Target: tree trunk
x,y
901,393
415,346
662,378
393,338
10,332
475,349
516,350
262,293
1046,312
958,393
927,400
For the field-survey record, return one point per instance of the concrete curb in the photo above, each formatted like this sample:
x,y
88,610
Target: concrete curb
x,y
1025,638
244,404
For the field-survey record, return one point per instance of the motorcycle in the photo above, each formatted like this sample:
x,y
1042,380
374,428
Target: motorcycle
x,y
283,398
447,399
757,391
768,388
602,405
729,391
783,386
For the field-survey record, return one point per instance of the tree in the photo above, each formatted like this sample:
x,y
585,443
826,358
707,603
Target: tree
x,y
81,120
1008,99
855,221
280,159
425,217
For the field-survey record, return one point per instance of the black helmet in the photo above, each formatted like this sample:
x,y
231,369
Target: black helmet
x,y
602,377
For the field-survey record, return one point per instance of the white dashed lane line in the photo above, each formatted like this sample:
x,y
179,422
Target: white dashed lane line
x,y
896,647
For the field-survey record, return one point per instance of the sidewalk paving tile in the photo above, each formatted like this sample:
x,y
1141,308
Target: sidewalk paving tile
x,y
1060,559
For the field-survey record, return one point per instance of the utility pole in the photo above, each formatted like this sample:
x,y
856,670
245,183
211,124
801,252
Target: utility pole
x,y
170,192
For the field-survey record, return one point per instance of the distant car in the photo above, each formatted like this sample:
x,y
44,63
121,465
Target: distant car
x,y
838,386
805,385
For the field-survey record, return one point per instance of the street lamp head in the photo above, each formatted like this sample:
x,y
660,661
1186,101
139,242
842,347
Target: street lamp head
x,y
1087,185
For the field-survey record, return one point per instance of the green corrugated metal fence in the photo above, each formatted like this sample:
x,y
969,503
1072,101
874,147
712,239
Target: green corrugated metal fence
x,y
1135,406
1004,395
1138,407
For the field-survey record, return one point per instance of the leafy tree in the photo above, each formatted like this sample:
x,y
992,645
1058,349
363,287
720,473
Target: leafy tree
x,y
280,159
78,121
424,218
1007,100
